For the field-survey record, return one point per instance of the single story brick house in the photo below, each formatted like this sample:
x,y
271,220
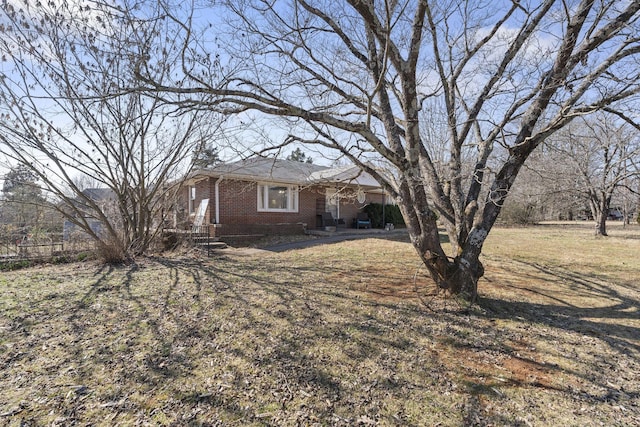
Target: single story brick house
x,y
262,196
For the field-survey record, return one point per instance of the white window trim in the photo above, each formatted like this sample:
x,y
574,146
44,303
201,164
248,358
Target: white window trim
x,y
293,193
192,199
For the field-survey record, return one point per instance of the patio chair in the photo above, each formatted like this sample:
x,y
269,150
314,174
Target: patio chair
x,y
327,219
362,220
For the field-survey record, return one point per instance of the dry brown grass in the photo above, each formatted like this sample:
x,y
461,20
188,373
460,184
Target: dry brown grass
x,y
329,335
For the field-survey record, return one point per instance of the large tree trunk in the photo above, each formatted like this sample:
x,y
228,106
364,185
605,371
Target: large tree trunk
x,y
602,214
601,224
601,221
457,276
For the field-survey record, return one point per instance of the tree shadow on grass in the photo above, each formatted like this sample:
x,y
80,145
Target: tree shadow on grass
x,y
322,340
139,333
285,341
601,320
111,305
314,336
303,336
567,311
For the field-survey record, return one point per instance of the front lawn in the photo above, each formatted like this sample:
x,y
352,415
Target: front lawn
x,y
329,335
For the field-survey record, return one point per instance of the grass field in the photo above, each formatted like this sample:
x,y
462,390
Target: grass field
x,y
329,335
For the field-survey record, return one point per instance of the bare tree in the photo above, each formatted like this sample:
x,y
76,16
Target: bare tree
x,y
67,112
547,188
602,152
356,75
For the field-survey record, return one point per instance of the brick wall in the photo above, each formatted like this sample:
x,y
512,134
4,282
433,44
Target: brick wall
x,y
255,230
239,208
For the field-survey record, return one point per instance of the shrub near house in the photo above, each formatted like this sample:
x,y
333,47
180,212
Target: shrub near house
x,y
392,215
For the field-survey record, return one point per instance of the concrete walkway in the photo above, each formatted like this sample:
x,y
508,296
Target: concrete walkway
x,y
326,237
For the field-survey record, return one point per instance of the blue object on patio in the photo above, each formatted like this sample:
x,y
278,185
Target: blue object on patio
x,y
362,220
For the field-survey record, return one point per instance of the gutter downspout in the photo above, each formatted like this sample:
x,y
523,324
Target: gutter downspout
x,y
217,196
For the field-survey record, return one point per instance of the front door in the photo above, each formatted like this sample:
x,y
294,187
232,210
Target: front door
x,y
332,202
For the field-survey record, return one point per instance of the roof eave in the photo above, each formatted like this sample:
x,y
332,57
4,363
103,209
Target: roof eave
x,y
203,174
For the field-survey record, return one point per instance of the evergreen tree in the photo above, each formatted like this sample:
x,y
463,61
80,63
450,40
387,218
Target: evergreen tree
x,y
206,156
298,155
22,197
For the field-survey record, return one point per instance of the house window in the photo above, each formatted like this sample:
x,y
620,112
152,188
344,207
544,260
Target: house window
x,y
192,199
277,198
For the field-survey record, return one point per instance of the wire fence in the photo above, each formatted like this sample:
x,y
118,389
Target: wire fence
x,y
33,250
20,251
15,249
45,247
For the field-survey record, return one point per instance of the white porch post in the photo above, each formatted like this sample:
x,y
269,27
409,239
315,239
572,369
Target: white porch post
x,y
217,197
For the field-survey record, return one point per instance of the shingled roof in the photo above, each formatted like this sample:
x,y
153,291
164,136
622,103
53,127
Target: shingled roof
x,y
287,172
